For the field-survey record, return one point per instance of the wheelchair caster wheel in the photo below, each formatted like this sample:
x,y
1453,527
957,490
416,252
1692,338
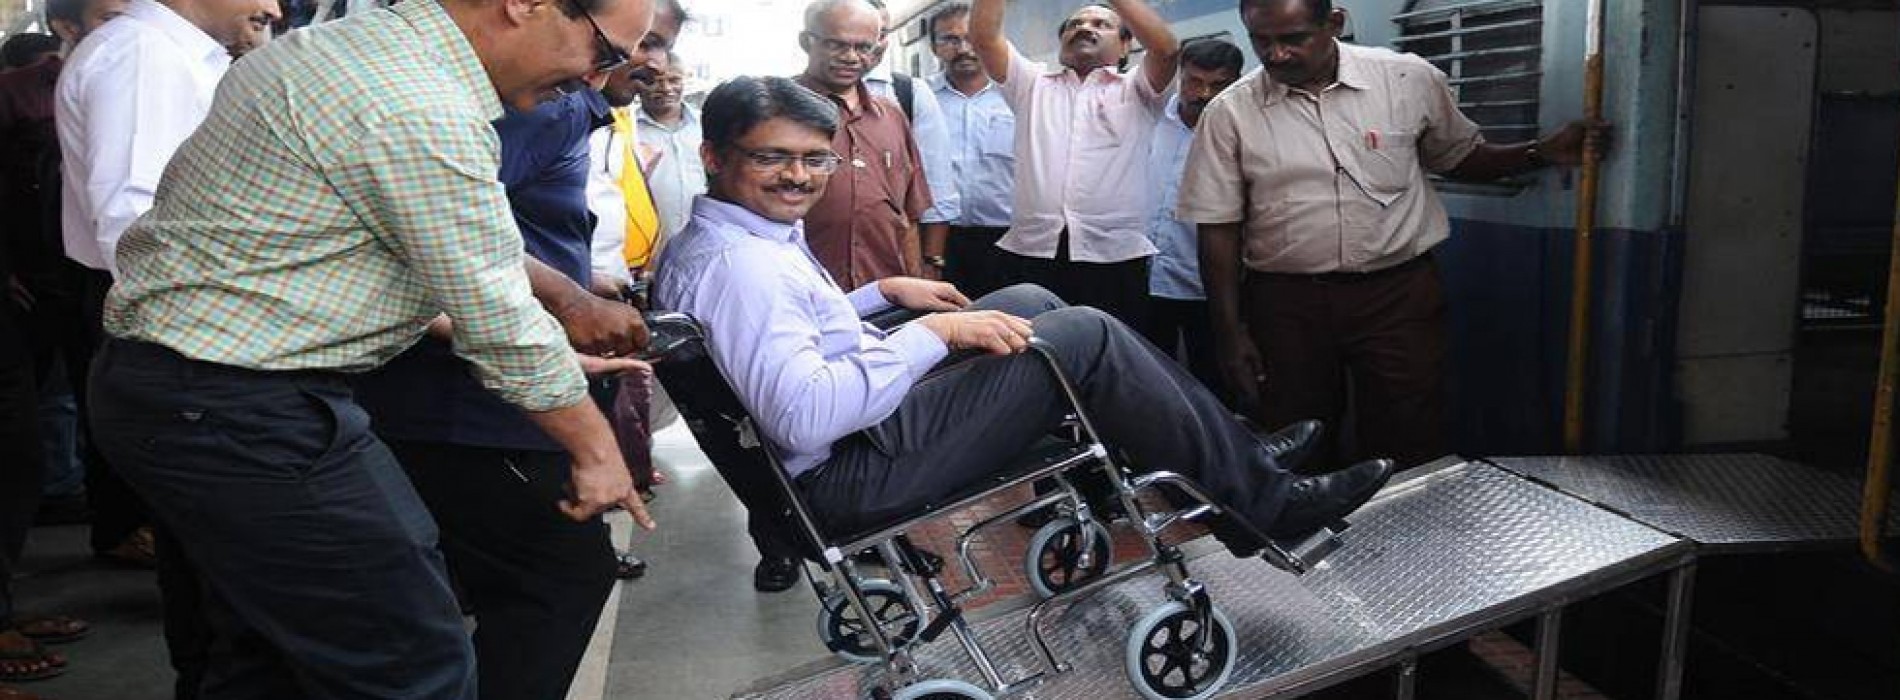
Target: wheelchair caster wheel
x,y
1163,663
941,689
1053,563
846,633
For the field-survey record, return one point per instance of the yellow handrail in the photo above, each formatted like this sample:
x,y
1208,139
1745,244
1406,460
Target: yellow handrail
x,y
1577,367
1877,492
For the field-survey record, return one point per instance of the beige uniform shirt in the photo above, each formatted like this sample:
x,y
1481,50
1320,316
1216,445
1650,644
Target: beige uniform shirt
x,y
1333,182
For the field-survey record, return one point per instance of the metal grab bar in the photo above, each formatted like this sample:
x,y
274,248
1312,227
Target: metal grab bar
x,y
1877,492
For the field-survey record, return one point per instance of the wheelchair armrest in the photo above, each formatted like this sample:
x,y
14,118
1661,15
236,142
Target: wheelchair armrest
x,y
672,335
893,317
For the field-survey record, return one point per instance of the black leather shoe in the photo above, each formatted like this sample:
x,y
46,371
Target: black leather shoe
x,y
1317,501
774,574
628,567
1292,445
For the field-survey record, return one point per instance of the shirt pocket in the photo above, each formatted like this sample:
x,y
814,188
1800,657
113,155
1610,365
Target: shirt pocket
x,y
998,139
1388,163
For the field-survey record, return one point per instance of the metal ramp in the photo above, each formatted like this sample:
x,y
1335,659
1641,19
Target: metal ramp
x,y
1446,552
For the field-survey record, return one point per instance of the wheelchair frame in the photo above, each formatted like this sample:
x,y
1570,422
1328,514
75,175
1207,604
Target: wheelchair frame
x,y
678,339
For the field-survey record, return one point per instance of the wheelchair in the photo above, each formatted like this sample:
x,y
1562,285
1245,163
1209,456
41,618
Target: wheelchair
x,y
1185,648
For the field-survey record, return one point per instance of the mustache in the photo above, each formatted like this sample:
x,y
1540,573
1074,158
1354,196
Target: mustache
x,y
1092,37
793,187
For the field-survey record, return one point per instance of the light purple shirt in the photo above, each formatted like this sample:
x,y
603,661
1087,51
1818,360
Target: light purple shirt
x,y
787,339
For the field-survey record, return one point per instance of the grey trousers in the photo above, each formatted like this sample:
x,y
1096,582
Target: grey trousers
x,y
973,417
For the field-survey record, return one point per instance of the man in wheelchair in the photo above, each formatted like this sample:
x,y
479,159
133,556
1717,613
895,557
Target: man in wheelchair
x,y
872,426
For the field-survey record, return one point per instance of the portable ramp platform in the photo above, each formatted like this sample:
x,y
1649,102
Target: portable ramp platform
x,y
1447,551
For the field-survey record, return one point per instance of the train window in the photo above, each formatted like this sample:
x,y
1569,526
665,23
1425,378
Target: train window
x,y
1492,50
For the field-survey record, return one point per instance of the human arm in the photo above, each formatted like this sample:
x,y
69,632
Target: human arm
x,y
936,238
1240,363
1564,147
920,294
1163,53
986,38
1214,195
594,324
932,129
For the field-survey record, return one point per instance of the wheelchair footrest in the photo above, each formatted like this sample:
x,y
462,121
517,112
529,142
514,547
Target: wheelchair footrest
x,y
943,622
1300,556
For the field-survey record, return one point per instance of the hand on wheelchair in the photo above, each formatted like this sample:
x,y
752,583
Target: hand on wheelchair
x,y
922,294
992,332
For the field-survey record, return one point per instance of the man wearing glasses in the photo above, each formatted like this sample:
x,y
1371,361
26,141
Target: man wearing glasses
x,y
288,254
858,425
865,227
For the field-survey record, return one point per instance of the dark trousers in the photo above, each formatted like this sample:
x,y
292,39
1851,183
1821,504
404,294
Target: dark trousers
x,y
1183,329
535,579
21,463
116,510
321,573
971,259
975,417
1119,288
1382,333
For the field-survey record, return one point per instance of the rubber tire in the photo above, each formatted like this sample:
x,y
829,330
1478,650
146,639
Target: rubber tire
x,y
873,590
941,689
1045,538
1139,634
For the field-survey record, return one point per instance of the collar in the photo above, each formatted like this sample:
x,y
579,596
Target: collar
x,y
941,83
729,214
880,73
1057,70
1352,73
688,116
866,100
180,31
1172,113
432,23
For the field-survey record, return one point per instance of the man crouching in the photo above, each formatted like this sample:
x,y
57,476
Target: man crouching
x,y
863,432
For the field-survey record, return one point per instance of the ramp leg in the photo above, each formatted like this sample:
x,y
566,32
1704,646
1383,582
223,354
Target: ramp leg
x,y
1550,627
1405,687
1675,642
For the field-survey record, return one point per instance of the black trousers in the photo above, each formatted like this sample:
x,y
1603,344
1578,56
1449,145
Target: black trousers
x,y
322,578
973,418
535,579
972,261
21,462
116,510
1183,329
1119,288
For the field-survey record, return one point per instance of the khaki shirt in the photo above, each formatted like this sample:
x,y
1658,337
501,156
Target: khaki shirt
x,y
1333,182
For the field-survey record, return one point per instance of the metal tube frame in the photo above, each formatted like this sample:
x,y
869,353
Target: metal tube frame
x,y
1544,675
1675,639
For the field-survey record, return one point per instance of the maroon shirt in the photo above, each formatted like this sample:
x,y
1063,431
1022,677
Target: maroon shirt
x,y
29,174
857,229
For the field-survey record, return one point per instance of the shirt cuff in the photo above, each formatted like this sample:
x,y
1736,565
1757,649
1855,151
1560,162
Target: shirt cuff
x,y
867,300
920,348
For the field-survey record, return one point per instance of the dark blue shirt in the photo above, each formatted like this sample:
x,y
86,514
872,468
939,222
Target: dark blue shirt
x,y
427,394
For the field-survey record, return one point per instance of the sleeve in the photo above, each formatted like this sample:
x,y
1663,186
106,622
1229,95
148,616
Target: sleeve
x,y
1021,82
933,141
765,339
868,299
426,184
1213,188
606,248
1155,100
139,109
918,198
1448,136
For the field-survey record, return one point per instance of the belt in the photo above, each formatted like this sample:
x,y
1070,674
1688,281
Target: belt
x,y
1349,277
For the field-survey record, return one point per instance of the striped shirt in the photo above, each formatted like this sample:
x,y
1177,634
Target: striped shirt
x,y
342,192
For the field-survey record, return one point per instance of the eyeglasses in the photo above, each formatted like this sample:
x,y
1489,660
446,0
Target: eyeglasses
x,y
770,162
840,48
606,56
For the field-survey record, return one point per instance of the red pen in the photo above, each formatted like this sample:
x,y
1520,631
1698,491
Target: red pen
x,y
1372,140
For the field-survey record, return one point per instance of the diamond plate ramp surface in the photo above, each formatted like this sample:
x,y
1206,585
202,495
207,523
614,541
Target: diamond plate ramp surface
x,y
1461,548
1725,502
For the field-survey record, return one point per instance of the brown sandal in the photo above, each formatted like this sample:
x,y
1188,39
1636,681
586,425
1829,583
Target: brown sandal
x,y
31,663
53,629
16,694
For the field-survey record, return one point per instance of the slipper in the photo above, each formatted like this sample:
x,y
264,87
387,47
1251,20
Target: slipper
x,y
13,694
12,670
53,629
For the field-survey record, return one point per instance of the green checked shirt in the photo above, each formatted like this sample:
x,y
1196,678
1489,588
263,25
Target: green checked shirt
x,y
341,193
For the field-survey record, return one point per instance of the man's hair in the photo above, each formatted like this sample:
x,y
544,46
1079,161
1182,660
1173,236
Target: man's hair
x,y
819,8
73,11
1128,35
25,49
950,11
740,104
1212,54
678,11
1319,10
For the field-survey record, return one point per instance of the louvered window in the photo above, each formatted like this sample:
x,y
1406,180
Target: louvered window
x,y
1493,52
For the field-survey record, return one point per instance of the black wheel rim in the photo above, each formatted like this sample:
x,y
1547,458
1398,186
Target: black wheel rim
x,y
851,635
1172,666
1060,568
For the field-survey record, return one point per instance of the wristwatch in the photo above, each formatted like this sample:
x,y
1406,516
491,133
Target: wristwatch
x,y
1535,157
935,261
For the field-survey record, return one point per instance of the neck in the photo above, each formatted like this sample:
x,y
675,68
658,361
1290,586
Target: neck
x,y
849,94
192,13
664,114
970,84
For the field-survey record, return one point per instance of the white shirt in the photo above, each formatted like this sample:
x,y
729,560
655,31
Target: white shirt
x,y
605,162
680,174
131,93
933,140
1081,160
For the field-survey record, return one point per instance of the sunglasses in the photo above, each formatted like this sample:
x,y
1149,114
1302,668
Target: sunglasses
x,y
606,56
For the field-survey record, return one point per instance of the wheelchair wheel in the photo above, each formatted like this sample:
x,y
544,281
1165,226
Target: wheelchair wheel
x,y
1053,562
941,689
846,633
1163,663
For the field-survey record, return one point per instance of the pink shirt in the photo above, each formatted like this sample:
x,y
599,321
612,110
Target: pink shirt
x,y
1081,160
